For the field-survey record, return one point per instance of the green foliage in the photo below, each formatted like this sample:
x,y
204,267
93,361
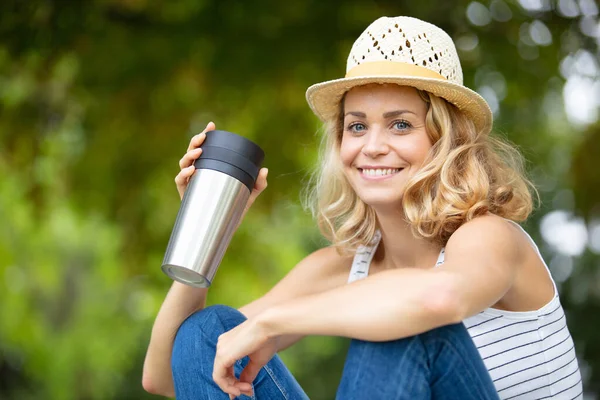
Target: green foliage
x,y
98,101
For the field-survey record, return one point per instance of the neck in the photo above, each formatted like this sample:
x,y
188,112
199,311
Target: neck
x,y
398,247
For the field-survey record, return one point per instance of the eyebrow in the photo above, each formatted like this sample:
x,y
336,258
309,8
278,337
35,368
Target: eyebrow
x,y
388,114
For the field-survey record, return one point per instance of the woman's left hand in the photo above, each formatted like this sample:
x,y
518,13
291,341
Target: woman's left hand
x,y
247,339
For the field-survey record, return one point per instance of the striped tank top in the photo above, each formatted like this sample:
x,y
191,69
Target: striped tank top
x,y
529,355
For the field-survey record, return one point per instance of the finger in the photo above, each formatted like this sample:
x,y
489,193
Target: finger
x,y
229,386
232,384
189,158
261,180
232,390
184,175
248,393
250,372
246,390
243,386
198,139
223,375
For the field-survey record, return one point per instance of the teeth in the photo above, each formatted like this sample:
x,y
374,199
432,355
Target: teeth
x,y
380,172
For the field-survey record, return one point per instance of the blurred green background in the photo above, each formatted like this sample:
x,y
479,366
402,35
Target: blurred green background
x,y
99,99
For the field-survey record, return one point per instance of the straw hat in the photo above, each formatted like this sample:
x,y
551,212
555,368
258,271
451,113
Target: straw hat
x,y
405,51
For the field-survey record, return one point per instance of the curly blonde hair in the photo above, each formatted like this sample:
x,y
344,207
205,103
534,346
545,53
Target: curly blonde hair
x,y
466,174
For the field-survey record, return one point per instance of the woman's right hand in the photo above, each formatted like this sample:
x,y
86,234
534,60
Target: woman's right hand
x,y
193,152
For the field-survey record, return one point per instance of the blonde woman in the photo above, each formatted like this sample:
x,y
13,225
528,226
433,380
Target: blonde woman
x,y
444,295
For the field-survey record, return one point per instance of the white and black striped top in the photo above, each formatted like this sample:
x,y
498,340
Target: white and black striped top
x,y
530,355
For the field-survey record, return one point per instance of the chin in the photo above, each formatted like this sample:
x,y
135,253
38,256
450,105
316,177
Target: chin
x,y
378,197
381,201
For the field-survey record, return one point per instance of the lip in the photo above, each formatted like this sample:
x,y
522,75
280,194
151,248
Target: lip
x,y
377,167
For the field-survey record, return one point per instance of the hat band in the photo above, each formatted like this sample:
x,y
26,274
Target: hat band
x,y
387,68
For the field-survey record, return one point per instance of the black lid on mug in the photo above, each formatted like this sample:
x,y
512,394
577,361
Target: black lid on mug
x,y
231,154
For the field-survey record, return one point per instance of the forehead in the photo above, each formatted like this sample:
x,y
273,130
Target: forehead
x,y
385,97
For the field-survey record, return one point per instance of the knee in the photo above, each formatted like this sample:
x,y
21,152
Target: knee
x,y
388,350
455,338
454,332
199,333
398,358
209,322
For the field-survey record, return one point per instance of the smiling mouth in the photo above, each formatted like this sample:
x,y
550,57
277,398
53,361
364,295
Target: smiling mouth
x,y
379,171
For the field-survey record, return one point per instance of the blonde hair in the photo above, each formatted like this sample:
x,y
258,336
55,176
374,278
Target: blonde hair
x,y
466,174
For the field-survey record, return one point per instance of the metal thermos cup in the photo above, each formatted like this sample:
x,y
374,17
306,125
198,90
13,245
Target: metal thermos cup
x,y
211,208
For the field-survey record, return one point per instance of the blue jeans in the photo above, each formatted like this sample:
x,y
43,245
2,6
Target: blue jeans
x,y
440,364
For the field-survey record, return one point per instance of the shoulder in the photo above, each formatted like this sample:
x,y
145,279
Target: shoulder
x,y
488,235
483,260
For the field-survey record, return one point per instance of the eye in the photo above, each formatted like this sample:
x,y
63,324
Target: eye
x,y
356,127
402,125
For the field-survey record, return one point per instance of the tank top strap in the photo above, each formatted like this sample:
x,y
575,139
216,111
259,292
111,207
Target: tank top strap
x,y
362,259
441,257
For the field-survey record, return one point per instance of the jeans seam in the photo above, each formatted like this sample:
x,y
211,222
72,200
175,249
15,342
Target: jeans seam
x,y
208,339
272,375
357,376
428,369
427,357
452,347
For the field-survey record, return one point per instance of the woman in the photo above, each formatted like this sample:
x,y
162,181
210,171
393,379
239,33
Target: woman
x,y
443,294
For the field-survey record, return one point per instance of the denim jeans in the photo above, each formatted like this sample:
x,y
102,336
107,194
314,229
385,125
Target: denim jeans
x,y
440,364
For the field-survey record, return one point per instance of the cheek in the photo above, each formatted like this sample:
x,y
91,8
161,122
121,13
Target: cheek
x,y
415,151
348,152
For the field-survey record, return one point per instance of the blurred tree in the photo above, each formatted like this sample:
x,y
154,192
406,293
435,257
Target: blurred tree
x,y
99,99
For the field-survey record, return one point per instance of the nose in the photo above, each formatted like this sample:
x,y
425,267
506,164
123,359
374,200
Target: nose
x,y
375,143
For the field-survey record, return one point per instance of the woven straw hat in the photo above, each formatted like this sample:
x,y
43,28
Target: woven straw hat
x,y
405,51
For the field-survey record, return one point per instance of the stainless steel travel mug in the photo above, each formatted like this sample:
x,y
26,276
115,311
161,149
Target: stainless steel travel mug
x,y
211,207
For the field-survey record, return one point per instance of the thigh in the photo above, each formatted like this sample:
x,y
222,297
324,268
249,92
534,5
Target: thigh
x,y
458,372
442,364
194,353
274,381
394,370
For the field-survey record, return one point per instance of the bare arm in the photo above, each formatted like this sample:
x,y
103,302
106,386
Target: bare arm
x,y
181,302
480,267
321,271
284,341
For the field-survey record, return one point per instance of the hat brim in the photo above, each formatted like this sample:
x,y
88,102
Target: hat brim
x,y
324,98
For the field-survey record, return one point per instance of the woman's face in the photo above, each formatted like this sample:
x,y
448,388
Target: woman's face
x,y
384,141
